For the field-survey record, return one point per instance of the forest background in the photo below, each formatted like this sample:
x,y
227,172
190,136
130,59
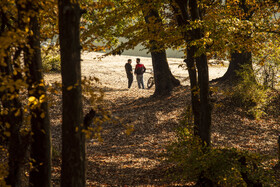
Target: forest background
x,y
244,33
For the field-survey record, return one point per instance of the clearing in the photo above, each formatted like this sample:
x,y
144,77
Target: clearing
x,y
134,160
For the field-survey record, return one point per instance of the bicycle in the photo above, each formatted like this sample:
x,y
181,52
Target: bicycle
x,y
151,80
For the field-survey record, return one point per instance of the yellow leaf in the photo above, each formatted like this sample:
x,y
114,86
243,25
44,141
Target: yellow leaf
x,y
17,113
129,130
70,88
42,98
42,84
15,72
31,99
42,115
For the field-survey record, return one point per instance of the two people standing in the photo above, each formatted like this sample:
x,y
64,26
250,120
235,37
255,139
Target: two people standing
x,y
139,71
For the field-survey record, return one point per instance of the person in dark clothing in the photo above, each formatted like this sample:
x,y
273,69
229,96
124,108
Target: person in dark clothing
x,y
128,69
139,70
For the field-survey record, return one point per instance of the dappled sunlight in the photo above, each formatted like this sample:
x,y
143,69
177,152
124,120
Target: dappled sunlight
x,y
134,158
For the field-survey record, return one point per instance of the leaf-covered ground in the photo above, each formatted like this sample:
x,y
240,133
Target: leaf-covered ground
x,y
135,159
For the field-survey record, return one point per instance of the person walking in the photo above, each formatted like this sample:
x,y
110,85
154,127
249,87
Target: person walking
x,y
139,70
128,69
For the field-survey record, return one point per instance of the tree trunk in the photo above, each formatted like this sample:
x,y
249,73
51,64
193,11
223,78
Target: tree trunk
x,y
237,63
204,128
183,17
239,60
164,80
190,61
17,145
40,123
200,102
73,141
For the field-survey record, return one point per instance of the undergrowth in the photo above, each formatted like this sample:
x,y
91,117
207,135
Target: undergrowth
x,y
250,95
191,161
51,60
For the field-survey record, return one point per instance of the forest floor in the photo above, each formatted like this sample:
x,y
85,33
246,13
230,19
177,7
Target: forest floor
x,y
134,159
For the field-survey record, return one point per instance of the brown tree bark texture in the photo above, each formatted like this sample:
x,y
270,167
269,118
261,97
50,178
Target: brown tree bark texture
x,y
73,141
40,123
164,80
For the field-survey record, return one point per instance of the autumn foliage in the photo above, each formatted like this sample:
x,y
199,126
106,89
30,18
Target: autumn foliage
x,y
242,31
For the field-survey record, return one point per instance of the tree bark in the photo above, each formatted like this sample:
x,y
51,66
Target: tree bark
x,y
164,80
73,140
185,12
190,61
17,144
239,60
204,128
237,63
40,123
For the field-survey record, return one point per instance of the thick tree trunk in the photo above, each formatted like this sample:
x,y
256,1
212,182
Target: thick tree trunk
x,y
40,123
237,63
164,80
239,60
73,141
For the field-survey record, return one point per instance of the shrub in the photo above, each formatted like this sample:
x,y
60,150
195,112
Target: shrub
x,y
222,166
51,59
51,63
267,65
249,94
